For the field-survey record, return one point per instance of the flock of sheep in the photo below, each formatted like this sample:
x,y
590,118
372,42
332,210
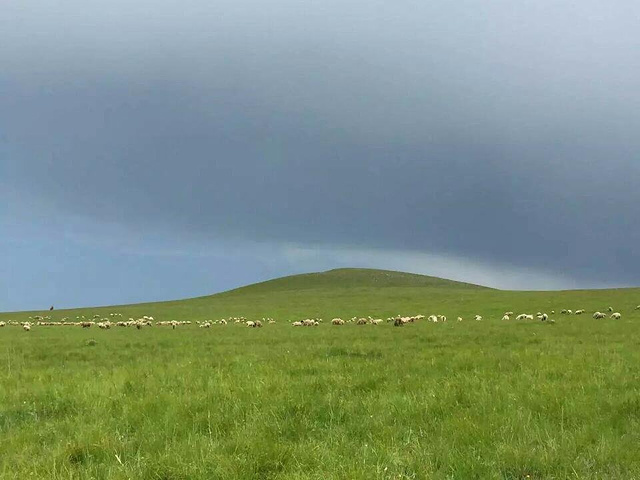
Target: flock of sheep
x,y
102,323
399,320
114,320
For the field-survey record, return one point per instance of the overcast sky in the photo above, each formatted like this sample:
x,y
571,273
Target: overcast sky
x,y
156,150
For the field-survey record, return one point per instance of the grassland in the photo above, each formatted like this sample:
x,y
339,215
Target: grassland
x,y
459,400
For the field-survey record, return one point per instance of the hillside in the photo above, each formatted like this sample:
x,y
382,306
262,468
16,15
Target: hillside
x,y
353,292
360,282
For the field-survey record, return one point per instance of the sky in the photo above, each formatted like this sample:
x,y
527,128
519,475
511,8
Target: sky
x,y
155,150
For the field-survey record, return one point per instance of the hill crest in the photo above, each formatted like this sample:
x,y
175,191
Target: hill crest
x,y
353,278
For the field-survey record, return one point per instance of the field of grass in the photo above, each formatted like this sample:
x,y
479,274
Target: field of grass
x,y
456,400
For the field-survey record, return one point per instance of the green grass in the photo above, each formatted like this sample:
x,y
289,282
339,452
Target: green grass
x,y
483,400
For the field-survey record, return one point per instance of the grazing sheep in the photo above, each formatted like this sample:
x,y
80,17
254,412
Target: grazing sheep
x,y
257,324
2,324
361,321
376,321
478,318
459,319
506,317
26,327
205,325
611,309
297,324
433,318
174,324
579,312
544,317
250,324
508,314
599,315
397,322
616,315
337,321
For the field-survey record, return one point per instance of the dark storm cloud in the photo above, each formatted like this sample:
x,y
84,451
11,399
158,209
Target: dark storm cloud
x,y
484,130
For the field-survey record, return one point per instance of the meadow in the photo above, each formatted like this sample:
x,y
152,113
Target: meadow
x,y
486,399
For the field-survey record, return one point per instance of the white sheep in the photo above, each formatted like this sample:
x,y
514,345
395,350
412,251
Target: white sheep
x,y
506,317
337,321
616,315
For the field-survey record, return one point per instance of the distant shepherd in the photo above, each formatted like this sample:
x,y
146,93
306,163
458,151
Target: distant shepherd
x,y
51,308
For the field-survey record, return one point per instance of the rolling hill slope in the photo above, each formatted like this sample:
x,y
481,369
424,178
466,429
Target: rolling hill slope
x,y
359,292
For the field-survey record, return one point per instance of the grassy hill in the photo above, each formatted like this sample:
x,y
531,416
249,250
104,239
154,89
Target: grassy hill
x,y
290,296
457,400
351,292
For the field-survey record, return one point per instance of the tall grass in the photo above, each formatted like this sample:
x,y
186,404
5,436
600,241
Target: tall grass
x,y
459,400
